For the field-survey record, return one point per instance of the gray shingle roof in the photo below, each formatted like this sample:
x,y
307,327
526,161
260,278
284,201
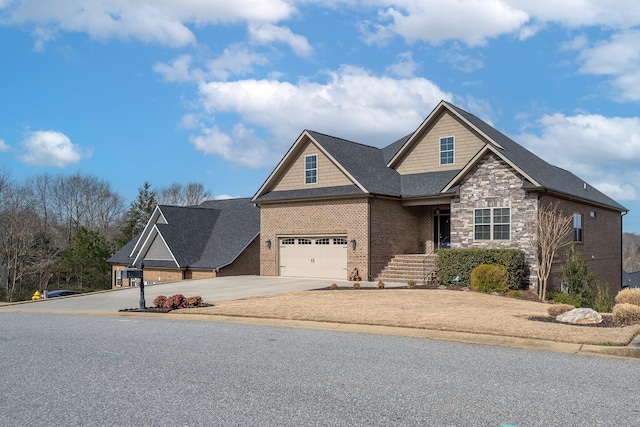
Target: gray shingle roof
x,y
211,235
548,176
368,166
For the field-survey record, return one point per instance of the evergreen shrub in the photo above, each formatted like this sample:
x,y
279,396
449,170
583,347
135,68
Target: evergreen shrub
x,y
455,265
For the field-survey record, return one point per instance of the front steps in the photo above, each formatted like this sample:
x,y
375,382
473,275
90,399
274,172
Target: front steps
x,y
421,268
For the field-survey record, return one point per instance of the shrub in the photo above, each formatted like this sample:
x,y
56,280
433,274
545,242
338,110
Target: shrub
x,y
514,293
158,301
411,284
380,284
629,296
562,298
557,309
455,265
603,301
194,301
578,278
356,285
626,313
489,278
175,301
334,286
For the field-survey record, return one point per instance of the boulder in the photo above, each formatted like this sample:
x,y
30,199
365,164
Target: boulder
x,y
580,316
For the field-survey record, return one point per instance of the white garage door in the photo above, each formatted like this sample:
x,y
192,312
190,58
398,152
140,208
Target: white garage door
x,y
323,257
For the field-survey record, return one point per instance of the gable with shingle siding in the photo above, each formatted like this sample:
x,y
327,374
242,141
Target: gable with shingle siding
x,y
328,174
424,155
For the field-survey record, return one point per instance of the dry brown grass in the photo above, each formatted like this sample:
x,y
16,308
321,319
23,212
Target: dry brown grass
x,y
629,296
445,310
626,313
555,310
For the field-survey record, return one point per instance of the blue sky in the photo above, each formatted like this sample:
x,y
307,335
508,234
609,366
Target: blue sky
x,y
215,92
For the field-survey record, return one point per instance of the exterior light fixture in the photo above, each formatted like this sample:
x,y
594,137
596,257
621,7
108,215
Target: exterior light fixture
x,y
353,244
267,243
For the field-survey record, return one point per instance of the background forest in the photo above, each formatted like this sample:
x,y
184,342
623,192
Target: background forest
x,y
57,231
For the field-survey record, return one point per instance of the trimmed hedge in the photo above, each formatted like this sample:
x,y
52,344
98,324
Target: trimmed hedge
x,y
455,265
489,278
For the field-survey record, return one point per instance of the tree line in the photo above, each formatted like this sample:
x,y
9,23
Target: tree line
x,y
57,231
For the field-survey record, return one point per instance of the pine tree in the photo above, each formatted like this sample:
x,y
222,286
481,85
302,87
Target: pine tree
x,y
138,214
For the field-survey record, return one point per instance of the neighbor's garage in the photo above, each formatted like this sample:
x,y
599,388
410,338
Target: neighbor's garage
x,y
322,257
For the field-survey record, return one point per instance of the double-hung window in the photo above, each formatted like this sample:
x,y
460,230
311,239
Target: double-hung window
x,y
446,150
492,224
577,227
311,169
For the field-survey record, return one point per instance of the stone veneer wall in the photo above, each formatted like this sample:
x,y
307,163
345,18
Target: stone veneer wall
x,y
323,217
493,183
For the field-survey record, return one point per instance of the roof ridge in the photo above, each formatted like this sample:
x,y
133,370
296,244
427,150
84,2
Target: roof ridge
x,y
343,139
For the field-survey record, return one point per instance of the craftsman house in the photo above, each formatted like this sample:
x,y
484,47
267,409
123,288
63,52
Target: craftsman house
x,y
333,208
216,238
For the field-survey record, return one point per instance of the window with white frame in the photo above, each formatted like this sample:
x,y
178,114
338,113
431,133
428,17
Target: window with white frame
x,y
577,227
446,150
311,169
492,224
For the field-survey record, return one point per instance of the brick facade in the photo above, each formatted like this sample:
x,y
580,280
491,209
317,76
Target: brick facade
x,y
348,217
601,243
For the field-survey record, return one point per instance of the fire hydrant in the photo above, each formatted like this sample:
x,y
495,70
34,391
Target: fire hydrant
x,y
36,296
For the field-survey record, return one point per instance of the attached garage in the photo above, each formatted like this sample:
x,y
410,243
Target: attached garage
x,y
306,256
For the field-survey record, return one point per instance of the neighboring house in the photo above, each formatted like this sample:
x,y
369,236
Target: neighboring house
x,y
631,280
332,206
216,238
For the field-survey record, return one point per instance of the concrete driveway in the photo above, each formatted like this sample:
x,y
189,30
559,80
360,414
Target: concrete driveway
x,y
211,290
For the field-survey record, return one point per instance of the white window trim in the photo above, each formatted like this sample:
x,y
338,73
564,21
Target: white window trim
x,y
305,169
581,228
491,225
453,150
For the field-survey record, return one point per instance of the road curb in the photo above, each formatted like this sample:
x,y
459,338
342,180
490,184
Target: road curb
x,y
630,351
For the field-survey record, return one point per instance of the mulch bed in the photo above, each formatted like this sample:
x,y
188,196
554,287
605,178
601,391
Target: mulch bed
x,y
159,310
607,322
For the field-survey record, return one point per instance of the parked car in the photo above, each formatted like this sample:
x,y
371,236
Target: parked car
x,y
61,293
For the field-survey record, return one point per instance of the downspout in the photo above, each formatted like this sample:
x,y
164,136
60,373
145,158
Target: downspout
x,y
369,239
621,257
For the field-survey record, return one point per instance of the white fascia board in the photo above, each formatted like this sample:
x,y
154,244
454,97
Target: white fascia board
x,y
409,142
280,166
476,159
291,153
147,243
338,165
147,229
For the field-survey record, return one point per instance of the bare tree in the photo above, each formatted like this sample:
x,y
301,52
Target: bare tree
x,y
549,233
631,252
188,195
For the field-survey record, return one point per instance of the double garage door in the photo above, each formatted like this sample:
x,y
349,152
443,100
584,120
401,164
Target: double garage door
x,y
322,257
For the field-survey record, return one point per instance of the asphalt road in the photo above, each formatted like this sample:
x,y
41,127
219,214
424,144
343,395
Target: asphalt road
x,y
211,290
132,371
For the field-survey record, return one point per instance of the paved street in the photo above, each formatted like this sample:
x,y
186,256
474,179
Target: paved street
x,y
121,371
218,289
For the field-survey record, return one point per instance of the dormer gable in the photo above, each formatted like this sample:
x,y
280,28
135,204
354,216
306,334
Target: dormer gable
x,y
443,142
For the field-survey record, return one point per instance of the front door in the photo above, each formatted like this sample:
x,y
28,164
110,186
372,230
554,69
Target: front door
x,y
441,229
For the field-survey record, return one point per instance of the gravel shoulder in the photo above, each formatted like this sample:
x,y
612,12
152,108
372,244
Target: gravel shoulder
x,y
444,310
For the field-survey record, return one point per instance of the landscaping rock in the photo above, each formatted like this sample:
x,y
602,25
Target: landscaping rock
x,y
580,316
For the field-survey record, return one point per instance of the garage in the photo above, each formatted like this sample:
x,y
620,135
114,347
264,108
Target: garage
x,y
323,257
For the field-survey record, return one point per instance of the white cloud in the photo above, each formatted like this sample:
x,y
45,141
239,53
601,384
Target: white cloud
x,y
352,103
605,151
50,148
163,22
471,21
234,60
269,33
460,61
405,66
619,58
4,146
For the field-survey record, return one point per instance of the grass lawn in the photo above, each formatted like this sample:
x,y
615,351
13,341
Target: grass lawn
x,y
445,310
